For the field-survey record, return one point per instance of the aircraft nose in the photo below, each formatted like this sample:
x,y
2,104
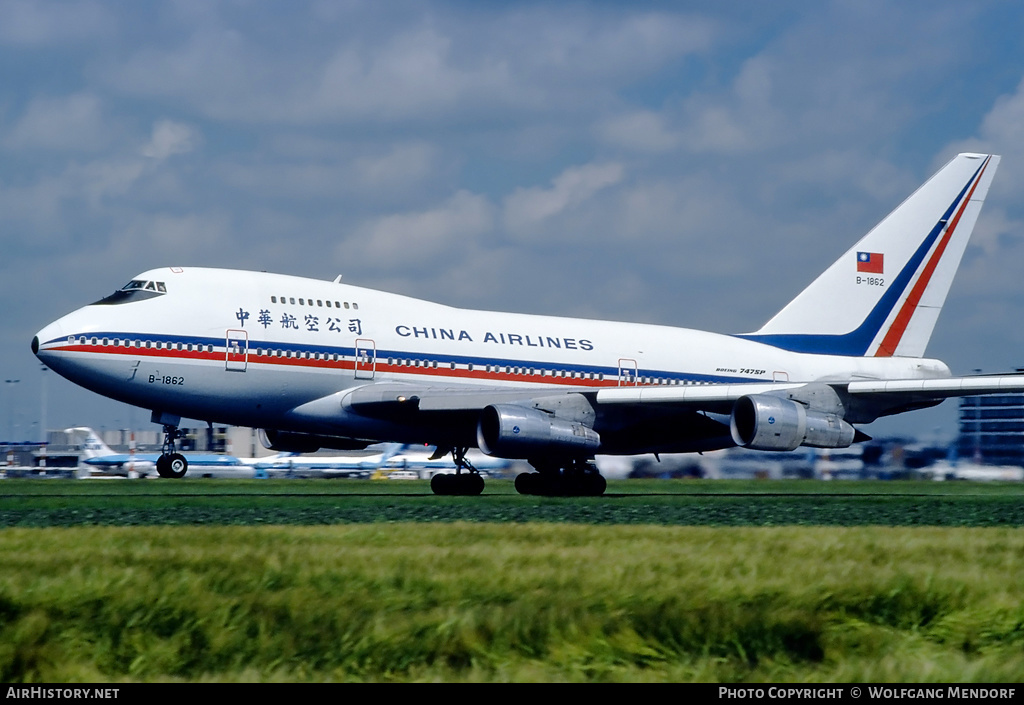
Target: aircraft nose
x,y
48,334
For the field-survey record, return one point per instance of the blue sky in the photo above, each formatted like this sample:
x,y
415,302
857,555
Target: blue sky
x,y
692,164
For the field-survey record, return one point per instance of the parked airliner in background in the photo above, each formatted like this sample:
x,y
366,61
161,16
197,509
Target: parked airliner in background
x,y
101,458
291,464
418,461
323,364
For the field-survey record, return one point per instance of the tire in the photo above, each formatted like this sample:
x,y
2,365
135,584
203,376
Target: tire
x,y
474,484
172,466
527,483
441,484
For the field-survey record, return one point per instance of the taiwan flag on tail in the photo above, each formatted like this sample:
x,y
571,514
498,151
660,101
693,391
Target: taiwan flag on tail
x,y
870,262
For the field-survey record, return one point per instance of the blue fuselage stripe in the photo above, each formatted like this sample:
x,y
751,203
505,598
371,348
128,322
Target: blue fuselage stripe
x,y
201,351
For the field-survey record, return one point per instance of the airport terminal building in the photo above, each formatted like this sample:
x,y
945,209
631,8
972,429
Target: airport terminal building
x,y
992,429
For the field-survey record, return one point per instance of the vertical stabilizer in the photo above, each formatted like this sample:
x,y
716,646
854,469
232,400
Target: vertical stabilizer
x,y
883,296
92,445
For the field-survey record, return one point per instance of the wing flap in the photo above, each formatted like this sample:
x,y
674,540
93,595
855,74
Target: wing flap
x,y
382,397
709,393
941,388
396,401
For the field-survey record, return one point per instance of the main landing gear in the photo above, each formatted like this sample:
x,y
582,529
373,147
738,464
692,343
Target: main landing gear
x,y
577,478
171,464
465,481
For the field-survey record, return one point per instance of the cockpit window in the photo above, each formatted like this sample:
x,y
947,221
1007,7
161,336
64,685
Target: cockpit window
x,y
135,290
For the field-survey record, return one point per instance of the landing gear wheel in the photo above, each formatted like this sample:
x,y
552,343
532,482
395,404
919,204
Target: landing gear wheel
x,y
172,465
578,478
528,483
439,483
465,481
595,485
461,484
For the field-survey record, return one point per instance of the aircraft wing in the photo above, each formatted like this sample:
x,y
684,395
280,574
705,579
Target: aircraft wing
x,y
909,389
699,396
946,387
929,390
521,421
385,398
392,397
871,398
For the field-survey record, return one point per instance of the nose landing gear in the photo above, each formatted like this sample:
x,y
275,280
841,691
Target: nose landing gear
x,y
171,464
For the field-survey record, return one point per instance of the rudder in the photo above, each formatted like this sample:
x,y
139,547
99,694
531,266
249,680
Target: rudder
x,y
883,296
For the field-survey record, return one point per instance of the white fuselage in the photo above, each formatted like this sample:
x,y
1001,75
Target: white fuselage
x,y
248,349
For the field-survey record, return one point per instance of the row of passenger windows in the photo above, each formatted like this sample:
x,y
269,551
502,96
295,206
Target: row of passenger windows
x,y
568,374
534,371
310,302
497,369
299,354
147,344
402,362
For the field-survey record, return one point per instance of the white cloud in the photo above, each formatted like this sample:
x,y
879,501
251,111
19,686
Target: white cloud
x,y
1005,122
403,164
1001,225
642,130
411,73
743,119
994,229
28,23
171,239
559,46
1001,132
68,123
422,237
170,138
321,170
429,63
527,207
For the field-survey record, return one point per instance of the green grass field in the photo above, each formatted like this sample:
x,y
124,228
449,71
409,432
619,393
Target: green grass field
x,y
661,502
497,597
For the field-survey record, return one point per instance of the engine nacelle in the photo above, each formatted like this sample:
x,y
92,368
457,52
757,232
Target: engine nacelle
x,y
766,422
510,431
293,442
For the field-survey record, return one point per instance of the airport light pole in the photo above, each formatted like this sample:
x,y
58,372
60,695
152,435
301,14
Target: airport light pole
x,y
43,436
42,404
10,408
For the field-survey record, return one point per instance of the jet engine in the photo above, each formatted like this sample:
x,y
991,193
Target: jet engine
x,y
765,422
510,431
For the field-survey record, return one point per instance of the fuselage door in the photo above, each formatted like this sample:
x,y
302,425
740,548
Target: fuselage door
x,y
237,350
627,372
366,358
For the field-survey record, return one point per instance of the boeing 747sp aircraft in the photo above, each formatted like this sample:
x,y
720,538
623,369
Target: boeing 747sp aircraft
x,y
323,364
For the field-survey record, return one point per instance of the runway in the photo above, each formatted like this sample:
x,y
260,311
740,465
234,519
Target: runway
x,y
654,502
